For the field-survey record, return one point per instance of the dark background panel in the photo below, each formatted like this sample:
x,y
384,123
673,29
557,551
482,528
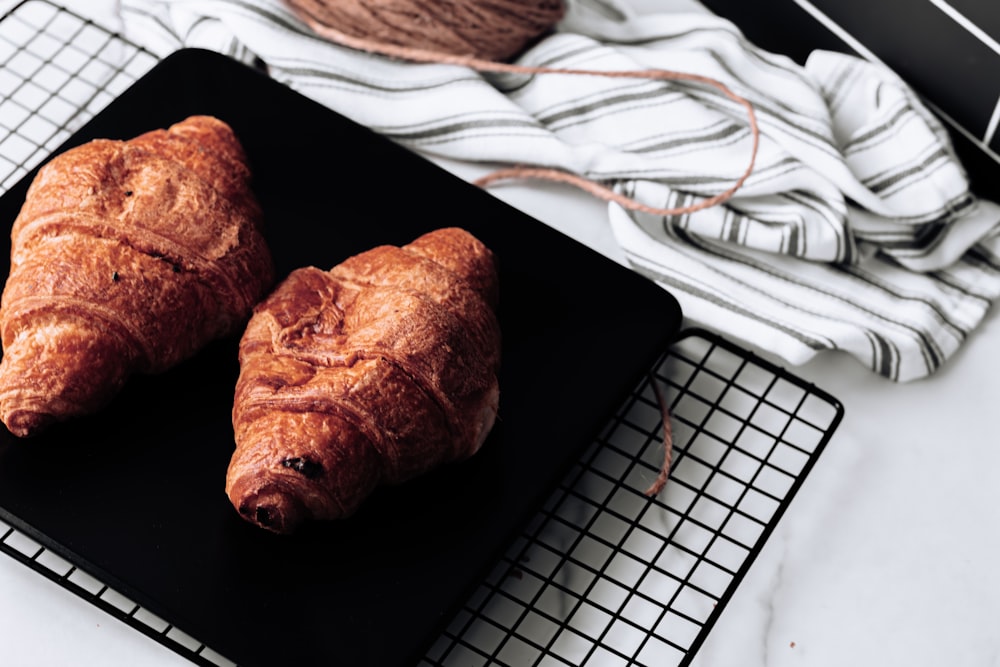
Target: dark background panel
x,y
985,14
781,26
940,58
943,61
947,64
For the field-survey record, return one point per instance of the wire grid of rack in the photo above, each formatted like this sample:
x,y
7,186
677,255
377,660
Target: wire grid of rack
x,y
603,574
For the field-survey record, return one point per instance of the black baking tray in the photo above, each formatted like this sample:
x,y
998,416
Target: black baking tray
x,y
134,495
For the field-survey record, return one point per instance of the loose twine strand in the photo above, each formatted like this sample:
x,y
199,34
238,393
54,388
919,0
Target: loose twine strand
x,y
304,9
668,440
427,56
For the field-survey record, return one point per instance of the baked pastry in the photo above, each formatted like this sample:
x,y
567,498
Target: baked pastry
x,y
127,257
371,373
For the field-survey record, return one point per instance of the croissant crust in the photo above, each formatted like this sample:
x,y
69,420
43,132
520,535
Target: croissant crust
x,y
127,256
371,373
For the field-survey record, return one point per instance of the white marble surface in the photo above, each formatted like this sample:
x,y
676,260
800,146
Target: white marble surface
x,y
887,556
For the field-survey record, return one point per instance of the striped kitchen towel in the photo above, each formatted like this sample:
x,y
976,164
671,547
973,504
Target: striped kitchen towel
x,y
855,232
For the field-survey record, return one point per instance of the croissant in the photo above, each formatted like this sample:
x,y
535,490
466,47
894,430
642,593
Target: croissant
x,y
372,373
127,257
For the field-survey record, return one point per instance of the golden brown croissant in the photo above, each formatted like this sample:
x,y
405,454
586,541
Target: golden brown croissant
x,y
371,373
127,256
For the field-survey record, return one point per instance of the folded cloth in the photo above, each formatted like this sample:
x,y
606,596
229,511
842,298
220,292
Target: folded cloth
x,y
856,231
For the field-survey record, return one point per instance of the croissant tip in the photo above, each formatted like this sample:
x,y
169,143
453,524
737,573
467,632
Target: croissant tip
x,y
274,511
27,423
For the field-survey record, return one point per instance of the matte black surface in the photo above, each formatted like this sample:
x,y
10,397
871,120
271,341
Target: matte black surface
x,y
135,494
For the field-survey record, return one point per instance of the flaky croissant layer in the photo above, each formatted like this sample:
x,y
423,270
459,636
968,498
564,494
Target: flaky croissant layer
x,y
127,256
376,371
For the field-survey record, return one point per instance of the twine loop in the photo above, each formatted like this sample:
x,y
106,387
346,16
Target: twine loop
x,y
482,35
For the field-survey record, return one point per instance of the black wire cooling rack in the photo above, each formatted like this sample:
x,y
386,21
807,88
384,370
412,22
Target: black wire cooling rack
x,y
602,575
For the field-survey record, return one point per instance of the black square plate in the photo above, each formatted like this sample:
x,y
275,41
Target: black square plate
x,y
134,495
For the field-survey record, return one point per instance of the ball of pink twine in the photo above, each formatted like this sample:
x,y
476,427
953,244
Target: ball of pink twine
x,y
490,29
